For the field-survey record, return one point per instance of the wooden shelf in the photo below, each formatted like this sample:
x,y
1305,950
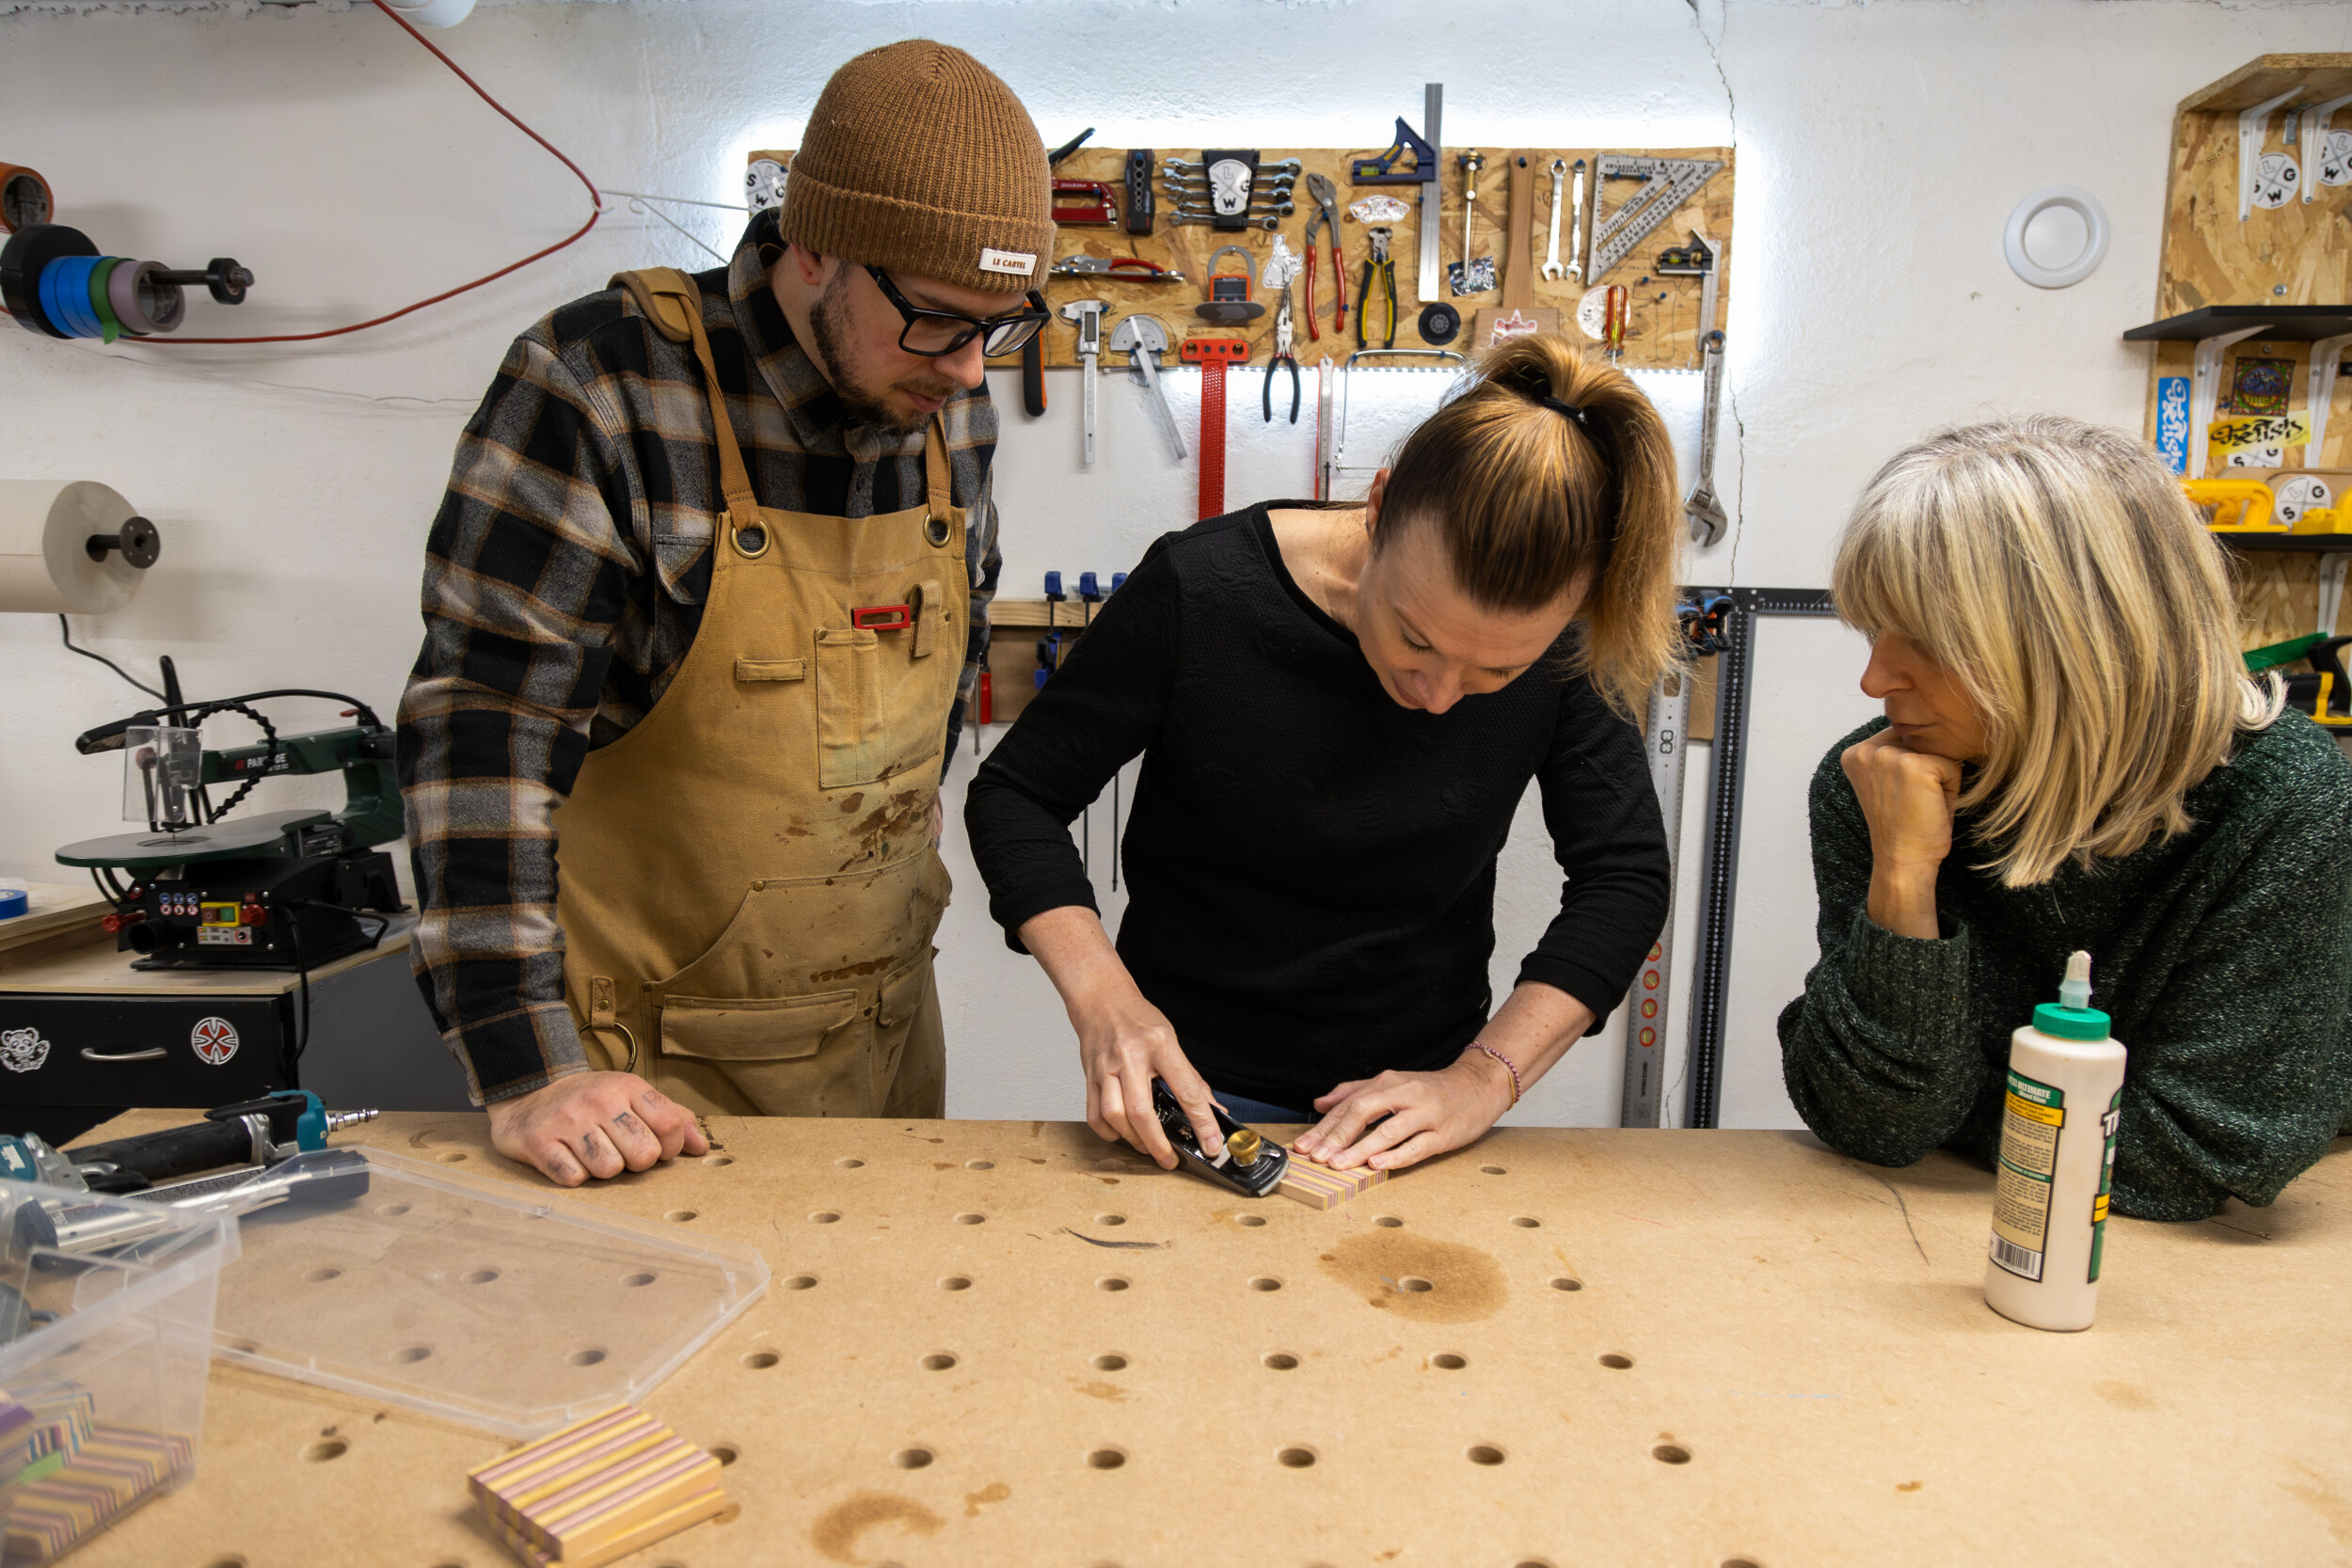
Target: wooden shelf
x,y
2287,323
2293,543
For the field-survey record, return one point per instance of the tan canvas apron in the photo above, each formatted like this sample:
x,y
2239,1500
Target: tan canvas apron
x,y
746,883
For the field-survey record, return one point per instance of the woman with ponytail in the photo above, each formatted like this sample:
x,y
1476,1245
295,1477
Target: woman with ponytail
x,y
1338,708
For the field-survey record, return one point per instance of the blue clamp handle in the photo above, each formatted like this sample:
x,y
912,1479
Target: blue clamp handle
x,y
1089,588
1052,587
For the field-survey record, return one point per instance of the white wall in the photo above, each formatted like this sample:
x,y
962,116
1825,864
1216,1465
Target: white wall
x,y
1881,148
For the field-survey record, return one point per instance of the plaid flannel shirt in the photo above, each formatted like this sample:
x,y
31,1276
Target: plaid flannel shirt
x,y
564,581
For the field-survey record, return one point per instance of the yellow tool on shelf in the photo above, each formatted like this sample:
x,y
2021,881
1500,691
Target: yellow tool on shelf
x,y
2326,519
2251,498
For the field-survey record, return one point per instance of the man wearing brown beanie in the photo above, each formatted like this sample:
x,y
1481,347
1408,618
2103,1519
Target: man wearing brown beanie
x,y
702,605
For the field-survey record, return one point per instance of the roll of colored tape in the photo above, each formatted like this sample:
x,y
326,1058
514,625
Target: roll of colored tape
x,y
24,198
142,304
25,259
109,326
66,288
51,306
13,902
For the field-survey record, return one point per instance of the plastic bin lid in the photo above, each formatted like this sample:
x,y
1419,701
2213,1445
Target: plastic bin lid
x,y
474,1300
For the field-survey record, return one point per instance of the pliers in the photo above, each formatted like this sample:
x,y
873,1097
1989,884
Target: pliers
x,y
1377,265
1326,198
1282,355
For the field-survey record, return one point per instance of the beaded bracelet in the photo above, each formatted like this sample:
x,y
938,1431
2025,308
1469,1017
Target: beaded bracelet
x,y
1508,1065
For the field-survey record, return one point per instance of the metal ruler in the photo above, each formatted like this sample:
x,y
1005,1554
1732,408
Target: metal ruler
x,y
1645,1029
1667,184
1426,278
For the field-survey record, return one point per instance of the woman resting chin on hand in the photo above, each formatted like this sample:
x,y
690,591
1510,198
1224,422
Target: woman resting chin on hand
x,y
1339,709
2071,759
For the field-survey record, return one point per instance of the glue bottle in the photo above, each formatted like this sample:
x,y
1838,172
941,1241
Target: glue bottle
x,y
2064,1099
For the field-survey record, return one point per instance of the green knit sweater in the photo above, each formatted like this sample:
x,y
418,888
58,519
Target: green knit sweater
x,y
2224,956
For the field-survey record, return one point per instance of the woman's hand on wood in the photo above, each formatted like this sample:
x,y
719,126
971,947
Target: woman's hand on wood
x,y
1907,797
1402,1118
1124,1043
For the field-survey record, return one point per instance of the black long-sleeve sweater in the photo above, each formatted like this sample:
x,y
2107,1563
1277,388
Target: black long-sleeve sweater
x,y
2224,956
1311,866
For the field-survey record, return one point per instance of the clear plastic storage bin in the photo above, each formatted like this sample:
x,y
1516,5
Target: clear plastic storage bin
x,y
105,1339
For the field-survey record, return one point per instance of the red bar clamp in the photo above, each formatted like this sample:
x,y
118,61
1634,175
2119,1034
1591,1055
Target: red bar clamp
x,y
1085,201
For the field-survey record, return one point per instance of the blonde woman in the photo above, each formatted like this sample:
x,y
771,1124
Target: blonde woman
x,y
1339,709
2071,758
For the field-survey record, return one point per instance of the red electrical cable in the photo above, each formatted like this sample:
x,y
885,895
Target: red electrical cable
x,y
537,255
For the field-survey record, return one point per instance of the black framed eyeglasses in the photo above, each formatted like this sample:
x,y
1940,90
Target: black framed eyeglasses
x,y
934,333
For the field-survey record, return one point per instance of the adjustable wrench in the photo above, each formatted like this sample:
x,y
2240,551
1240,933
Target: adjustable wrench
x,y
1144,339
1088,314
1705,512
1554,271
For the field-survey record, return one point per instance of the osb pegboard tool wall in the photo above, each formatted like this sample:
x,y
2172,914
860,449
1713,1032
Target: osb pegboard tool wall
x,y
1012,1343
2258,212
1663,333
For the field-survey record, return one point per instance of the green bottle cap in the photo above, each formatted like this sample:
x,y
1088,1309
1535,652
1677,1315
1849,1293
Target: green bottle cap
x,y
2071,1024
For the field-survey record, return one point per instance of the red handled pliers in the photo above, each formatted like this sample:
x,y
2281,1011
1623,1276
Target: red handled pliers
x,y
1327,200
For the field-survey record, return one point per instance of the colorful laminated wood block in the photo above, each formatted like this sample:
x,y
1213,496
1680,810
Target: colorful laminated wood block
x,y
41,1424
705,1504
111,1469
1321,1187
570,1495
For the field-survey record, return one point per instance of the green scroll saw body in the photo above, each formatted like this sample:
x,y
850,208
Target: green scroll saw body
x,y
268,890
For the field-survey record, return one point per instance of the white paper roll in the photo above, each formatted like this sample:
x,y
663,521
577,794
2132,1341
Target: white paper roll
x,y
45,563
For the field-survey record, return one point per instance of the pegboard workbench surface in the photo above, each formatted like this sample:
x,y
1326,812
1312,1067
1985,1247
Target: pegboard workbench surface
x,y
1769,1354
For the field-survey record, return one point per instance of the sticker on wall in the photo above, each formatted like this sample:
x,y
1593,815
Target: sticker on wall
x,y
2173,421
23,1050
2276,178
2260,385
2335,159
2259,442
214,1040
763,185
2296,496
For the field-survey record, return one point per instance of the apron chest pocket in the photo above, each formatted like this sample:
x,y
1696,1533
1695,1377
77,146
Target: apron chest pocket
x,y
880,710
755,1029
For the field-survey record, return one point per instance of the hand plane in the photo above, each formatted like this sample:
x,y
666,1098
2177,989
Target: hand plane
x,y
1247,1163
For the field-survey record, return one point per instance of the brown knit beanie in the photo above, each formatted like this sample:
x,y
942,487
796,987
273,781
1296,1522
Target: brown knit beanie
x,y
918,159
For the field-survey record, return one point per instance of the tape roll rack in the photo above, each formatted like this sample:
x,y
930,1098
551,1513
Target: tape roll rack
x,y
55,282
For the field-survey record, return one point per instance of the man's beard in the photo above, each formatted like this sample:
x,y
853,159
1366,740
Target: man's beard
x,y
859,407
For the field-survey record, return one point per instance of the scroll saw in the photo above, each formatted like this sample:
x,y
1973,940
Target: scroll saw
x,y
273,890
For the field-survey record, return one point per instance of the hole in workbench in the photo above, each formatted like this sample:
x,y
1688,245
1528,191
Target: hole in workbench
x,y
1107,1459
481,1276
1525,1222
1294,1459
1616,1362
320,1276
955,1282
1266,1282
334,1447
718,1158
1253,1221
640,1277
1448,1362
980,1164
451,1157
938,1361
679,1216
1111,1363
585,1358
1415,1283
824,1217
1482,1453
760,1361
1111,1219
393,1210
1110,1282
1671,1453
1565,1283
410,1355
1281,1361
801,1282
1533,1563
1493,1171
234,1562
1387,1222
910,1459
1740,1562
723,1454
971,1219
850,1164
